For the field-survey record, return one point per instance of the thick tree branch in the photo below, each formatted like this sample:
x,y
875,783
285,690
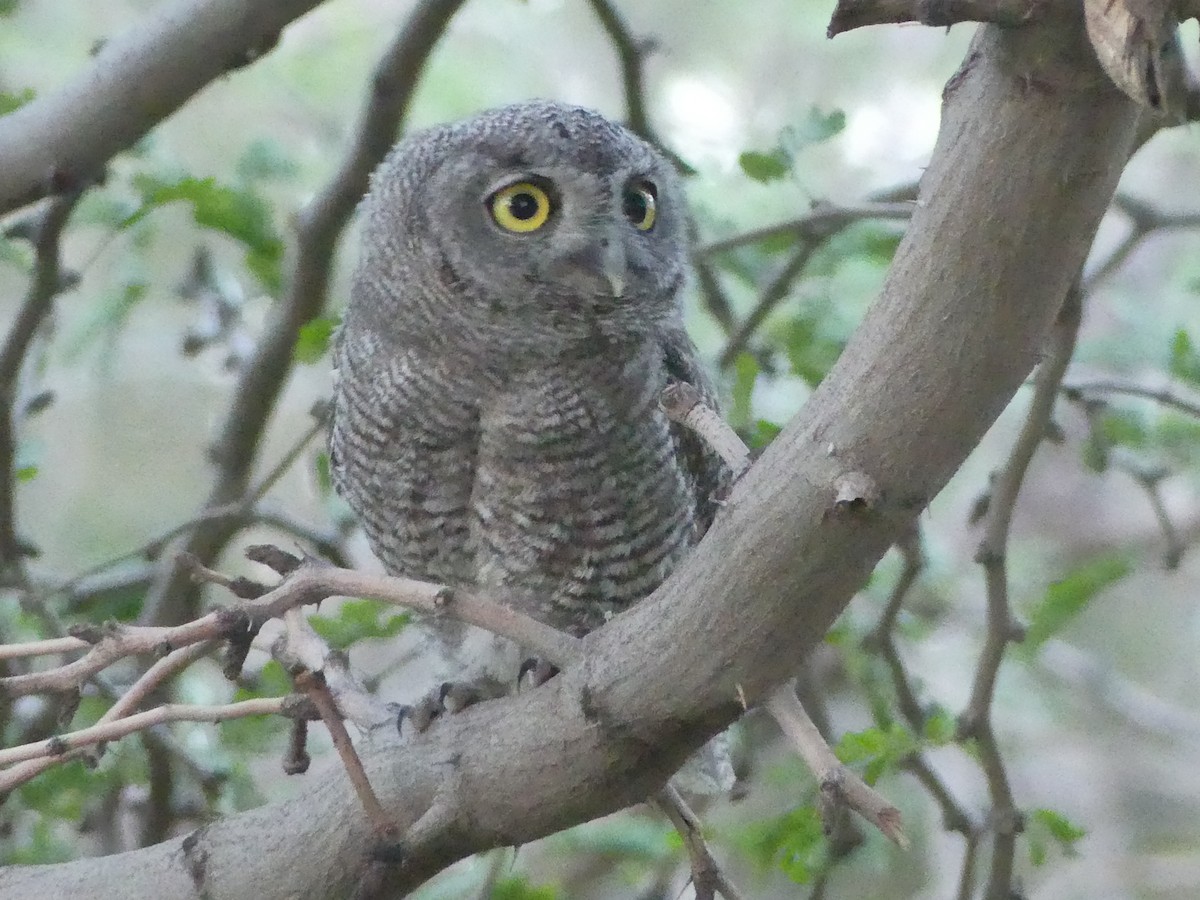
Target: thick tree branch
x,y
134,82
319,225
938,356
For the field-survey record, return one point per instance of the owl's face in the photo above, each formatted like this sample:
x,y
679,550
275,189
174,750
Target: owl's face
x,y
533,228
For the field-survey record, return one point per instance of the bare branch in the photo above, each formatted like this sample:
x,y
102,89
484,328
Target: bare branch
x,y
150,680
1084,390
47,281
173,598
169,712
309,584
42,648
683,404
707,875
975,721
134,82
839,784
851,14
821,223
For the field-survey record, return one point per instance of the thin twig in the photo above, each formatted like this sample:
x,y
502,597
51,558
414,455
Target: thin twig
x,y
1083,390
150,680
707,875
975,721
42,648
46,283
309,584
822,221
841,785
168,712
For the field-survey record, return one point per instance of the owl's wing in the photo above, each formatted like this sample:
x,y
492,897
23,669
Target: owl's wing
x,y
710,477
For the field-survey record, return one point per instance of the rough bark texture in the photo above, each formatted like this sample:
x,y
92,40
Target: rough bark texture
x,y
1033,140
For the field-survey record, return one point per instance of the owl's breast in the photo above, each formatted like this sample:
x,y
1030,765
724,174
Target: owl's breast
x,y
580,506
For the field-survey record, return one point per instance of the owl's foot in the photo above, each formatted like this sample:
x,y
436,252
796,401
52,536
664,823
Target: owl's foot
x,y
538,670
450,697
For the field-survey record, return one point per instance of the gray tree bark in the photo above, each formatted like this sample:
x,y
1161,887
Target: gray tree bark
x,y
1033,141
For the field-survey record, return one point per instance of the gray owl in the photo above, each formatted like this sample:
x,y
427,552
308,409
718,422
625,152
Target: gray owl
x,y
515,315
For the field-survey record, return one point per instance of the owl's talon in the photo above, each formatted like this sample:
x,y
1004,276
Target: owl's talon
x,y
539,671
421,714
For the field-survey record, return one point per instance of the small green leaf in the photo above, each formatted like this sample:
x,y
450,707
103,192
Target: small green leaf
x,y
26,473
939,728
882,749
358,620
240,214
762,434
1185,361
795,842
1045,825
313,341
810,350
10,101
1066,598
766,166
817,126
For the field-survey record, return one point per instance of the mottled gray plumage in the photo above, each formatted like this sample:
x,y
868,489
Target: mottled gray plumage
x,y
496,415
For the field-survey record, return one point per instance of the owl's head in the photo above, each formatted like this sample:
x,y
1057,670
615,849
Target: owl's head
x,y
534,228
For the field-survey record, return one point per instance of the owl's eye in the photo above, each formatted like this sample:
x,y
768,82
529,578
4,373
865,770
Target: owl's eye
x,y
522,207
640,206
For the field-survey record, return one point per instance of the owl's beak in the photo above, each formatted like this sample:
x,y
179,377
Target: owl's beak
x,y
612,267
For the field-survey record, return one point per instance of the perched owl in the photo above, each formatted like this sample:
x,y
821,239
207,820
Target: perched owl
x,y
515,315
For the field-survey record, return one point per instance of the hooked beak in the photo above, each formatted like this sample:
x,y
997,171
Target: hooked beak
x,y
599,268
612,266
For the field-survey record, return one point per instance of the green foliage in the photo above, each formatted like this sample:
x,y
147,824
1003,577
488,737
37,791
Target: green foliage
x,y
773,164
1066,598
257,734
10,101
762,433
240,214
324,476
1184,362
516,887
794,842
766,166
631,839
811,351
1045,826
109,315
313,341
939,727
880,749
357,620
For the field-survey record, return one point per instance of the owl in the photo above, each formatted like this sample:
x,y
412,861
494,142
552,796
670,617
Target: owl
x,y
514,317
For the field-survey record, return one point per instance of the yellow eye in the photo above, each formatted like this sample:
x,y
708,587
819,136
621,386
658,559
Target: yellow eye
x,y
639,205
522,207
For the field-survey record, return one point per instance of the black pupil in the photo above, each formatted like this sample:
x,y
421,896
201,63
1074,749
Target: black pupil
x,y
635,206
523,206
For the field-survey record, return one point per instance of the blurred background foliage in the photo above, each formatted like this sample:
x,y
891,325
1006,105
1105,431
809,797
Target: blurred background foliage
x,y
179,254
